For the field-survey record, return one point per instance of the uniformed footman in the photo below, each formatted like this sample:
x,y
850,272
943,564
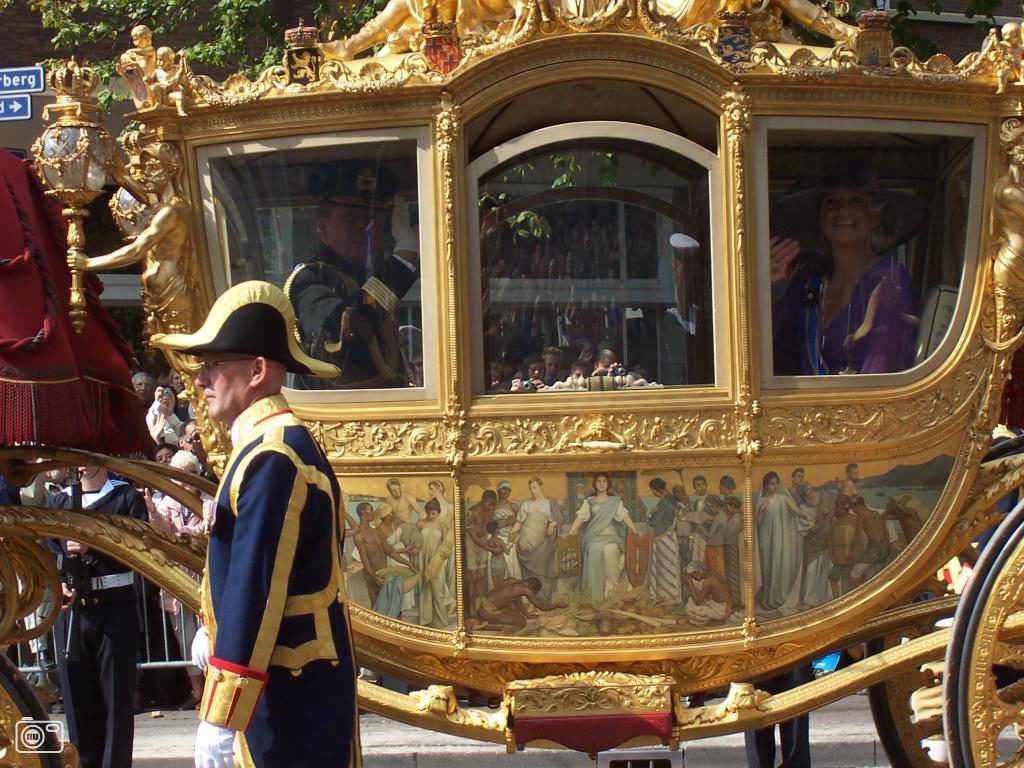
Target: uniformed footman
x,y
280,685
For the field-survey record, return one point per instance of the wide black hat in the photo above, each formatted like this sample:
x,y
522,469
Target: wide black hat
x,y
353,182
795,214
252,318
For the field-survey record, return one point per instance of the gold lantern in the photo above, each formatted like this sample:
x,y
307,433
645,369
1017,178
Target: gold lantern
x,y
75,157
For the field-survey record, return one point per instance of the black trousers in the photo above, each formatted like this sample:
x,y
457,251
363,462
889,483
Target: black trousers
x,y
97,675
794,734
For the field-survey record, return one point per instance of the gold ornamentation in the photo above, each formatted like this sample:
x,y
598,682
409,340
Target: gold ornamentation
x,y
802,62
165,245
75,157
1008,223
377,439
440,701
900,709
30,567
742,703
861,422
644,432
748,443
486,27
435,708
754,709
598,436
999,59
151,551
588,693
874,40
997,641
447,130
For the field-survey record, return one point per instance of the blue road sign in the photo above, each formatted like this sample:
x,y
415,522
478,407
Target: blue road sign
x,y
16,107
22,80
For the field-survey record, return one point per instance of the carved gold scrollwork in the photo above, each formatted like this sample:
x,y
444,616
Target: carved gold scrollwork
x,y
956,396
587,692
27,571
991,707
741,703
374,439
447,129
643,432
435,708
151,551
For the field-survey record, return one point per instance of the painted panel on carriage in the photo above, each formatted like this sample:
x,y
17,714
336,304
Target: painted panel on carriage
x,y
625,553
399,547
821,532
603,553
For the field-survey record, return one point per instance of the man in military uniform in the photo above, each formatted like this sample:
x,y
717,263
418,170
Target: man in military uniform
x,y
344,297
280,672
97,663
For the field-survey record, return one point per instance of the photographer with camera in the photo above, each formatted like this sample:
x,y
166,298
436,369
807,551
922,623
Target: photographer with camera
x,y
100,618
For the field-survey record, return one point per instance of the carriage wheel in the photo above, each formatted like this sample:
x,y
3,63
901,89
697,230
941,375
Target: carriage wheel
x,y
891,710
984,682
18,701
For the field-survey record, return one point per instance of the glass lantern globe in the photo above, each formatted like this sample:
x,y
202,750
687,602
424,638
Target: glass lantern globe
x,y
129,214
75,157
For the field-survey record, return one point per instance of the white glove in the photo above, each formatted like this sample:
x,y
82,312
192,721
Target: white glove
x,y
213,746
407,236
201,648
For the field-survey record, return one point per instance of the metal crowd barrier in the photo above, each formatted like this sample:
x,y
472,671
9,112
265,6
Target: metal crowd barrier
x,y
150,656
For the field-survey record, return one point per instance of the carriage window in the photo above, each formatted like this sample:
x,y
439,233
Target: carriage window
x,y
595,269
336,225
868,234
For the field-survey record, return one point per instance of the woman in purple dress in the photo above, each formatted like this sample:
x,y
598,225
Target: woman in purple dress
x,y
854,310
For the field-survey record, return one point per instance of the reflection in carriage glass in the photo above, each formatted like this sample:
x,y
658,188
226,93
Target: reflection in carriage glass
x,y
336,227
596,275
867,245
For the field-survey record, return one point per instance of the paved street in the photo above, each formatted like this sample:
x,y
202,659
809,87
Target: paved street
x,y
842,736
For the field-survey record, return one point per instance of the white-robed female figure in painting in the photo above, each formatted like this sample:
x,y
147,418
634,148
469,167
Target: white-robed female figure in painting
x,y
446,518
533,533
781,527
603,542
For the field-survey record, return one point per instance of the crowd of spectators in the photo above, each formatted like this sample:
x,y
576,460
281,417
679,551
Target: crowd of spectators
x,y
167,628
552,371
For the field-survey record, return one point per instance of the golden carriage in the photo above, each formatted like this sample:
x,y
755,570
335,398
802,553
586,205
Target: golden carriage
x,y
607,182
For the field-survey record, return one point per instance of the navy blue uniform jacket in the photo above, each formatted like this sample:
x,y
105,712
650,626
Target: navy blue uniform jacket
x,y
281,666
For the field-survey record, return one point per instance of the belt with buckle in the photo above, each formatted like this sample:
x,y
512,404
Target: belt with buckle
x,y
114,580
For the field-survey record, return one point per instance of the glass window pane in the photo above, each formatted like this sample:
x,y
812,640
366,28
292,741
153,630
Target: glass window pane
x,y
595,264
337,227
869,232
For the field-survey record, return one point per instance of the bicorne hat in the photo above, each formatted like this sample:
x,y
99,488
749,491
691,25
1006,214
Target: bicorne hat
x,y
796,213
252,318
353,182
